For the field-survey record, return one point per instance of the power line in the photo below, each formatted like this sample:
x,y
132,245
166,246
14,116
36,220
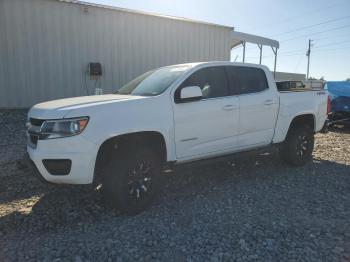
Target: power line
x,y
333,49
333,37
297,52
298,64
315,33
331,44
284,53
303,36
300,53
301,15
293,51
268,56
313,25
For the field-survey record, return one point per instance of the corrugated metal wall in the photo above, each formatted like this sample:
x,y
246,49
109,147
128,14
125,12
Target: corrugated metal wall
x,y
284,76
46,45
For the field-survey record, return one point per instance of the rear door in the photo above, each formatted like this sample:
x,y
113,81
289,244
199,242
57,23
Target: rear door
x,y
258,106
208,126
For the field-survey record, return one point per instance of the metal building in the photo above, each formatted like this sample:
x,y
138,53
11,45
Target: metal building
x,y
285,76
47,45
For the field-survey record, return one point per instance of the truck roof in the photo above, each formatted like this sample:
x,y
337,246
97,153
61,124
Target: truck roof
x,y
220,63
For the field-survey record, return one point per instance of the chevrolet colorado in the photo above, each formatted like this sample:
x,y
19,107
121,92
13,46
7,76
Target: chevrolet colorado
x,y
167,117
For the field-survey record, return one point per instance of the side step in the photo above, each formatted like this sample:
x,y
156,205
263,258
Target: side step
x,y
224,158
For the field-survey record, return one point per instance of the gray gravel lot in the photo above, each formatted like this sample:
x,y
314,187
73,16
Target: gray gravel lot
x,y
220,212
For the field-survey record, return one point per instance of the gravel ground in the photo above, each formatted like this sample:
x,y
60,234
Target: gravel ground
x,y
267,212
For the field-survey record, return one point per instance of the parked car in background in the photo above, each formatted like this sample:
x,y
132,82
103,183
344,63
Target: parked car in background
x,y
339,93
167,117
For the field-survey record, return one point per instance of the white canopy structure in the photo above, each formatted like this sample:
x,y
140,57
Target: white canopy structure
x,y
239,38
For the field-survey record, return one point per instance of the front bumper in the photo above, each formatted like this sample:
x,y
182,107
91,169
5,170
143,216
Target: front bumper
x,y
79,150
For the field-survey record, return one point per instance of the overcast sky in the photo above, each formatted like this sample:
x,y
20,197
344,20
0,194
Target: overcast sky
x,y
292,22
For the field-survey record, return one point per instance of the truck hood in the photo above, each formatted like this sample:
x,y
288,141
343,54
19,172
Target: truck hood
x,y
56,109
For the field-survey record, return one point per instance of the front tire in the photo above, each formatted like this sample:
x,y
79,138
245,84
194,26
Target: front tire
x,y
298,146
132,180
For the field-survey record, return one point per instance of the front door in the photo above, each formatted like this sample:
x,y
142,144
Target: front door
x,y
209,126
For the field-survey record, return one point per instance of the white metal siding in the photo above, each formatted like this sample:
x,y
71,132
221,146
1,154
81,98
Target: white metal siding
x,y
46,45
285,76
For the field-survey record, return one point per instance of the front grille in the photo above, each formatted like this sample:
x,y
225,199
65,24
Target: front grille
x,y
36,122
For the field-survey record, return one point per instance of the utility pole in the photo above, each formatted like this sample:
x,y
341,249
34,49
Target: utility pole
x,y
308,52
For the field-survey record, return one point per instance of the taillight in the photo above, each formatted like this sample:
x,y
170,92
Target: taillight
x,y
328,104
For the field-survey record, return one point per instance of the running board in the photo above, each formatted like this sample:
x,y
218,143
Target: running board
x,y
224,158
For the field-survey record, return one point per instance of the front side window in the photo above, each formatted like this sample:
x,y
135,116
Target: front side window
x,y
212,81
250,79
153,82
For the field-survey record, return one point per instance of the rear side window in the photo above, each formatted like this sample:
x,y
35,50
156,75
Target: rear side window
x,y
212,80
289,85
247,80
282,86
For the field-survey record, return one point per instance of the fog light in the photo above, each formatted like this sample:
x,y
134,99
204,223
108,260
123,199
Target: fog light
x,y
58,167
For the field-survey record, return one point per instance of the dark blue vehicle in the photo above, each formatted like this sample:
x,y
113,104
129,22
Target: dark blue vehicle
x,y
339,93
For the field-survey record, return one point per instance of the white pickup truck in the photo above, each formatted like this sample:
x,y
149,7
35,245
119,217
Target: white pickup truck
x,y
166,117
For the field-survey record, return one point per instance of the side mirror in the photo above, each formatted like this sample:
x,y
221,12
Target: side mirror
x,y
190,93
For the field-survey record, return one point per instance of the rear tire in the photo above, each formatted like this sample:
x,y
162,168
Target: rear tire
x,y
132,180
298,146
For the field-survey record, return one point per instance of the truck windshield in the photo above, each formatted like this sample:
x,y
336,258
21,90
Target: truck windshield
x,y
153,82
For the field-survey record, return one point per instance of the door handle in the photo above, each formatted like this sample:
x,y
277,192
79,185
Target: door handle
x,y
229,107
268,102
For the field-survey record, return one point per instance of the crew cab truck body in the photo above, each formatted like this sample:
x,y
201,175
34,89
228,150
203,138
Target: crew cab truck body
x,y
172,115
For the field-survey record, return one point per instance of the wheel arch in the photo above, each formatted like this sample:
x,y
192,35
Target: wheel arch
x,y
114,144
303,120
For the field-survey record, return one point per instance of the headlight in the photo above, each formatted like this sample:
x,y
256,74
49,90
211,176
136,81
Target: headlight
x,y
63,127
